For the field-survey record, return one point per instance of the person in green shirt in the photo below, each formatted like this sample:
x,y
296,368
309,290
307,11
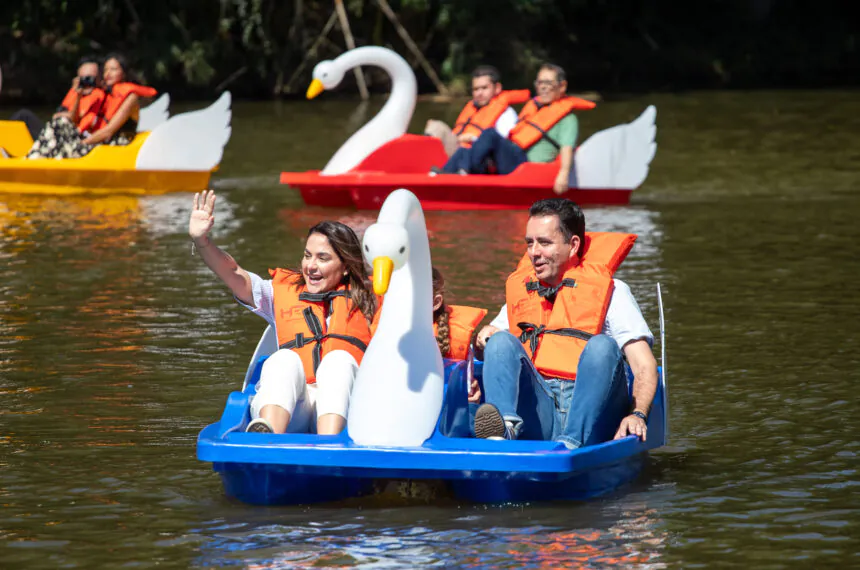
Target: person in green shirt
x,y
530,142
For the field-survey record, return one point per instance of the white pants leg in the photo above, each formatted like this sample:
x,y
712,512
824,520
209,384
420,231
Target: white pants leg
x,y
282,383
335,377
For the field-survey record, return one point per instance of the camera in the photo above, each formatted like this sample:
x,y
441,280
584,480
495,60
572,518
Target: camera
x,y
87,81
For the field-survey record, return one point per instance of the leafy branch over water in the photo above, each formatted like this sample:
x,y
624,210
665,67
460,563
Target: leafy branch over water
x,y
190,48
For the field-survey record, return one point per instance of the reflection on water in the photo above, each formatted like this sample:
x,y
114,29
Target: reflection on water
x,y
117,347
623,536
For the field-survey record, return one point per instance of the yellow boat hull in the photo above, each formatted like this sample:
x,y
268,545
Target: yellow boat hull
x,y
105,170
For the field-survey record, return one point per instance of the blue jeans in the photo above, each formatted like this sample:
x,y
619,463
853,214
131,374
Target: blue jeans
x,y
585,412
490,144
460,160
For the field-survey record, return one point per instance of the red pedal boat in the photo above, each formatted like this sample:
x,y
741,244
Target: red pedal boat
x,y
381,158
405,162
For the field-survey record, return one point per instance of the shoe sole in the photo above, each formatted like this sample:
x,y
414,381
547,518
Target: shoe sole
x,y
259,427
489,423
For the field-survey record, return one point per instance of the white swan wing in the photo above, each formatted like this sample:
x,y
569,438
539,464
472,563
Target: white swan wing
x,y
153,114
618,157
189,141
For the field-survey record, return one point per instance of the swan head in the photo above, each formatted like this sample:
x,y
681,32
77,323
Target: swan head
x,y
386,248
326,75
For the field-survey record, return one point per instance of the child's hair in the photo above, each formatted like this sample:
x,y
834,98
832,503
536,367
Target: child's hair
x,y
440,315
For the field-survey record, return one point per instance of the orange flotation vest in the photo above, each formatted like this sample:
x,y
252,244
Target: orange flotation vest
x,y
301,326
113,100
536,121
474,121
462,322
554,333
88,106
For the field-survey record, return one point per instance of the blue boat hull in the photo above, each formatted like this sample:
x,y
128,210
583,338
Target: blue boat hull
x,y
277,469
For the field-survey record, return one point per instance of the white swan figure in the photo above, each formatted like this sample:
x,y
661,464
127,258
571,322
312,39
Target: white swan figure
x,y
191,141
391,121
153,114
618,157
397,394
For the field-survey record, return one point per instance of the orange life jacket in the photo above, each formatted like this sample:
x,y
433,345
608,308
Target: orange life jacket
x,y
474,121
300,322
113,100
462,322
88,106
536,121
555,333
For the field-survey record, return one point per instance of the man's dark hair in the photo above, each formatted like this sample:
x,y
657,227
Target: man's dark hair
x,y
88,59
560,75
570,217
487,71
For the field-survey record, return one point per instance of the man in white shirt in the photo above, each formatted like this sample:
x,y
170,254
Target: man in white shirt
x,y
486,85
559,382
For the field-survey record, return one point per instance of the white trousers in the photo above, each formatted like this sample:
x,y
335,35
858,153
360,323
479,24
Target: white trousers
x,y
283,383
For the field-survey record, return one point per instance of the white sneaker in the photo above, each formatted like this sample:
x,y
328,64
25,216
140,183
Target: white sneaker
x,y
260,425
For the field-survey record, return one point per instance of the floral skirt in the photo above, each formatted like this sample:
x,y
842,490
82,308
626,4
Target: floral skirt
x,y
61,139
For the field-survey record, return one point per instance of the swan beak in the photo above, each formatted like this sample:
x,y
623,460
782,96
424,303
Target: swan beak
x,y
382,268
315,88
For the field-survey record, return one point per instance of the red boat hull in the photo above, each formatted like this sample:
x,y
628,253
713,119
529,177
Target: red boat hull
x,y
405,163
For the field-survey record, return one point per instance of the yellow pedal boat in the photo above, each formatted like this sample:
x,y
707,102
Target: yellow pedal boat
x,y
178,154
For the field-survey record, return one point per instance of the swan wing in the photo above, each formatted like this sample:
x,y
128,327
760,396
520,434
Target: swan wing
x,y
191,141
153,114
618,157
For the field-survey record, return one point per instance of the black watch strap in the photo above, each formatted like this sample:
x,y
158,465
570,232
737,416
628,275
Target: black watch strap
x,y
640,415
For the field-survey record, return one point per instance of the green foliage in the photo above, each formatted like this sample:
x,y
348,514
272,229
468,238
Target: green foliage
x,y
253,46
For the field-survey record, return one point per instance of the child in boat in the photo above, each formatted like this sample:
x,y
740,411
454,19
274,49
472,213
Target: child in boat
x,y
455,327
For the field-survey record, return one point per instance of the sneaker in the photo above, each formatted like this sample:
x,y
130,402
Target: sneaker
x,y
489,424
434,170
3,153
462,172
260,425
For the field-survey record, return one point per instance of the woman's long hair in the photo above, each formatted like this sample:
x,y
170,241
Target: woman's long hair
x,y
127,72
347,247
440,315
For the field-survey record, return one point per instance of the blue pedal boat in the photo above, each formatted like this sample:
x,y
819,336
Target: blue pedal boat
x,y
277,469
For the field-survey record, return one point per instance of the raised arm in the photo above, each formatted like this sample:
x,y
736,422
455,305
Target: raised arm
x,y
219,261
69,101
118,120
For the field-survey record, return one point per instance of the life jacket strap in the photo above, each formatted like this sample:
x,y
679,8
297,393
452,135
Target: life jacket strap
x,y
544,135
547,292
467,123
327,297
315,326
531,333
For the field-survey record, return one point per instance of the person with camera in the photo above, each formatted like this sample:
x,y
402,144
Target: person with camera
x,y
92,115
85,96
